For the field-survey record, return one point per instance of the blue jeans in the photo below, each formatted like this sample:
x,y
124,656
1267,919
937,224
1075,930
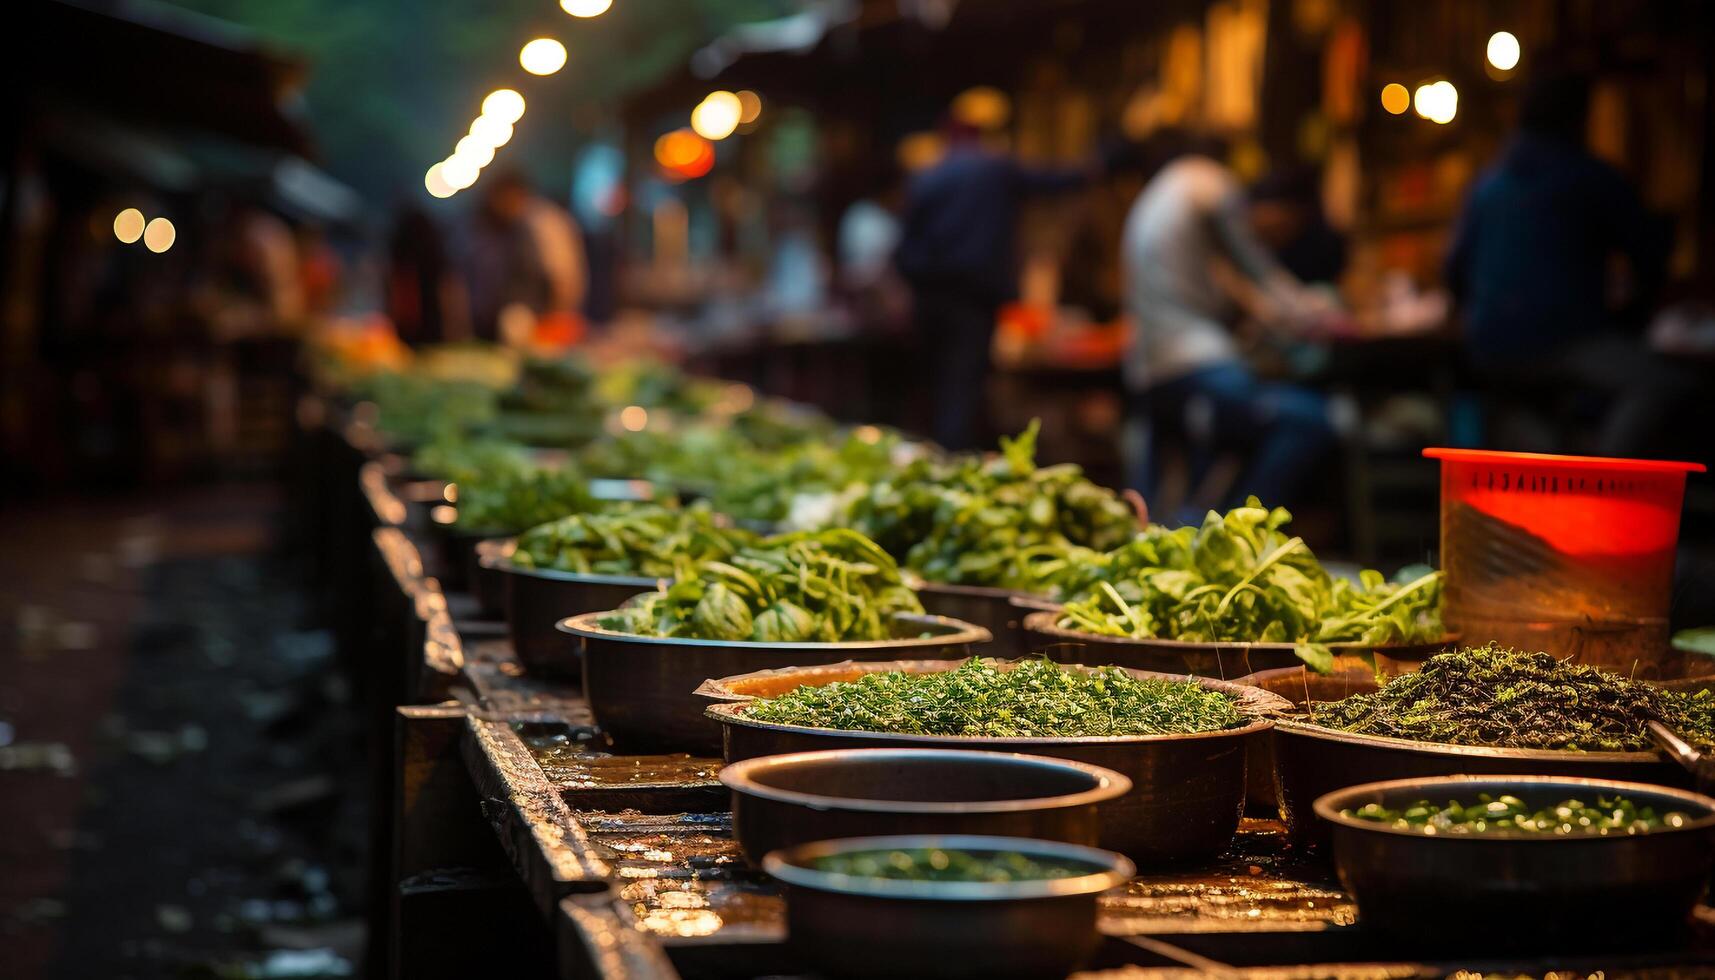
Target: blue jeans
x,y
1282,429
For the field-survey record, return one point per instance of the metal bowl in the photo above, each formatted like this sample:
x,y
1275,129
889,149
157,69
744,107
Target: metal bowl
x,y
1520,891
1311,761
993,609
486,582
1187,790
1300,685
867,927
538,598
1218,659
642,689
783,800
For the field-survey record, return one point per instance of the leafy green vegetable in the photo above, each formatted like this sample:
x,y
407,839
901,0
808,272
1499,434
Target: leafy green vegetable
x,y
1509,814
939,864
464,460
647,540
513,498
1241,578
1492,695
825,587
1033,698
1003,522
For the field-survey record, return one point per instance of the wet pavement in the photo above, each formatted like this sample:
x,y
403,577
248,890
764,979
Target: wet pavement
x,y
181,766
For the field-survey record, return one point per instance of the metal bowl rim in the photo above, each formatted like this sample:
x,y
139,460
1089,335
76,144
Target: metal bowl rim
x,y
1329,805
1036,623
1116,869
730,713
1109,785
505,565
584,625
1292,726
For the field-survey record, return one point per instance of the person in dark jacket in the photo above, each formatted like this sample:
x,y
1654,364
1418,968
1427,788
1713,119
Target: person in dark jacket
x,y
1530,268
956,252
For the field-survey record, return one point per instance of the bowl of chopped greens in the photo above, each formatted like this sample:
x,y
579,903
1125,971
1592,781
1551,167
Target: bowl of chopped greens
x,y
589,562
944,906
1236,595
1483,711
1523,863
801,598
1181,740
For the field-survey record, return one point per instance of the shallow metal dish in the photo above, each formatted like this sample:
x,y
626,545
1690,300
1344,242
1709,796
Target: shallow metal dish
x,y
1518,891
1187,790
538,598
1311,761
642,689
867,927
784,800
1220,659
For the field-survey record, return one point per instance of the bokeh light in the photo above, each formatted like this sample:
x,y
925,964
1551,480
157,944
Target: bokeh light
x,y
585,8
1503,50
717,116
750,107
635,418
678,148
159,235
479,154
458,172
983,107
1437,101
1396,98
488,129
435,182
128,225
543,56
504,104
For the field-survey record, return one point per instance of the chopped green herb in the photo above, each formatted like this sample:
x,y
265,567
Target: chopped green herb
x,y
938,864
1509,814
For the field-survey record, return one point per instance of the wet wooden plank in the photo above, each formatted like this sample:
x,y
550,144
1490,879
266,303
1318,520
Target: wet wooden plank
x,y
599,940
547,847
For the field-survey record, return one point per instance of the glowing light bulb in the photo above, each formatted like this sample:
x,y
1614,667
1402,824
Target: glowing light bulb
x,y
159,235
543,56
1436,101
504,104
585,8
1396,98
717,116
128,225
458,172
1503,50
478,153
435,182
488,129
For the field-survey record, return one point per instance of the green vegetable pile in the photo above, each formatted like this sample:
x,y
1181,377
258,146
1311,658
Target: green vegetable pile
x,y
1509,814
825,587
648,540
510,499
945,864
1495,696
465,460
1032,699
1241,578
1003,522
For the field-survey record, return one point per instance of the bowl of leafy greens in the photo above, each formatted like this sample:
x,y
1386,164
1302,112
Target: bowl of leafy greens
x,y
1234,596
800,598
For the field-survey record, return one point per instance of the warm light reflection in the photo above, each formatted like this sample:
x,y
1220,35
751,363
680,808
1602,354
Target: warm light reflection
x,y
750,107
1396,98
1503,51
128,225
435,182
635,418
159,235
504,104
458,172
1437,101
684,154
543,56
491,130
585,8
984,107
717,116
475,151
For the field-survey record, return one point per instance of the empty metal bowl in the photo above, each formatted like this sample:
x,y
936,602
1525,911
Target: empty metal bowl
x,y
848,926
642,689
1519,891
783,800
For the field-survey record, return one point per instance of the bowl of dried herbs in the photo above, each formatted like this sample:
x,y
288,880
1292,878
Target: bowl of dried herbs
x,y
1483,710
1181,740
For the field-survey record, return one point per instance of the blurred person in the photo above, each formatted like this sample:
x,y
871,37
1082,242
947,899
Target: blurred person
x,y
1530,269
1192,264
1286,212
956,251
525,253
421,286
